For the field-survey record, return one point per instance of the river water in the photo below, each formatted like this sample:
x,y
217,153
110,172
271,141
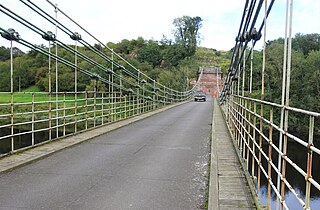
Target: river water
x,y
23,140
298,154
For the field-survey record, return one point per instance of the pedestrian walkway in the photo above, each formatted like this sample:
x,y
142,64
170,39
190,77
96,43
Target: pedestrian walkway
x,y
228,185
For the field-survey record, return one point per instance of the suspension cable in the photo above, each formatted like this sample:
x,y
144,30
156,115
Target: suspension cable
x,y
239,54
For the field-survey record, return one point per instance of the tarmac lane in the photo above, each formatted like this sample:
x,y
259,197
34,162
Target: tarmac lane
x,y
160,162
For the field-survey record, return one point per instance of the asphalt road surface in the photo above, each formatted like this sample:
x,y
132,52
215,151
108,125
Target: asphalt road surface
x,y
157,163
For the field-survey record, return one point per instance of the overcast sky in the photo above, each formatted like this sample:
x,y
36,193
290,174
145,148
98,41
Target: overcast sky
x,y
112,21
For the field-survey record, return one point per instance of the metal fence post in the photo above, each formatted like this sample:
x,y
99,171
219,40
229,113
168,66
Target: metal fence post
x,y
33,118
309,163
270,158
64,114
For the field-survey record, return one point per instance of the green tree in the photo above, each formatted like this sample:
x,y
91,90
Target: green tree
x,y
5,76
187,32
172,55
24,72
150,53
4,53
42,79
124,47
139,42
96,85
306,93
306,43
173,79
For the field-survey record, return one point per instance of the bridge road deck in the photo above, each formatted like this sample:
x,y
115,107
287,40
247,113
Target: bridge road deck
x,y
162,166
160,162
228,186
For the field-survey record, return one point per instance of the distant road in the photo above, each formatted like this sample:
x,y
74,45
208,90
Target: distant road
x,y
157,163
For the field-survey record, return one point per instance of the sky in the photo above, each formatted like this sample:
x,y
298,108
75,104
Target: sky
x,y
112,21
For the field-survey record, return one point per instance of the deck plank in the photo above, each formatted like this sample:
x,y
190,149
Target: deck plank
x,y
233,189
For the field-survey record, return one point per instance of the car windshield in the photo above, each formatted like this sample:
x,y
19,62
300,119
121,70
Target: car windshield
x,y
199,92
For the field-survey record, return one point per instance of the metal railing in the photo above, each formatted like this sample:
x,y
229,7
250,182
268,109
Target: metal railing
x,y
44,116
274,149
28,119
255,127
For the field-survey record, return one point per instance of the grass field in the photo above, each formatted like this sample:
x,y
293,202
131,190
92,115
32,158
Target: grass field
x,y
42,103
24,97
32,89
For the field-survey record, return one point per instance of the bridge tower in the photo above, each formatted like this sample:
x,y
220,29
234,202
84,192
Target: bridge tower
x,y
210,81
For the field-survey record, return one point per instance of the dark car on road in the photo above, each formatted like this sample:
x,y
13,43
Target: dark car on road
x,y
199,96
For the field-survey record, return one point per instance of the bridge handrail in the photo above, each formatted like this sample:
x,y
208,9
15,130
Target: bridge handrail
x,y
241,115
302,111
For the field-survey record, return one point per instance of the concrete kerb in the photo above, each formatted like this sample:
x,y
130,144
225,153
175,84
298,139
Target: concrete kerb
x,y
213,203
26,156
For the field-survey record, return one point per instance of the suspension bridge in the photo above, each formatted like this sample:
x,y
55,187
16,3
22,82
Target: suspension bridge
x,y
139,144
